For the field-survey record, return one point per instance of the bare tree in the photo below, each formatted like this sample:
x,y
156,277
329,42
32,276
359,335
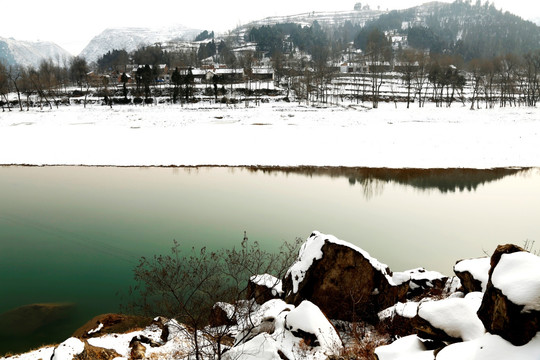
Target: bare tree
x,y
186,286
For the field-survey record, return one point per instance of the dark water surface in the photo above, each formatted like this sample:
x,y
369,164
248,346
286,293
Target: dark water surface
x,y
70,236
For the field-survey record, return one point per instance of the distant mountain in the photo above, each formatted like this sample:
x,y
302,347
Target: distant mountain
x,y
27,53
130,39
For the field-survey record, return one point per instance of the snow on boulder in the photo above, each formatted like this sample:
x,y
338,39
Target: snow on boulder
x,y
335,275
68,349
264,287
406,348
308,322
421,281
279,330
451,319
473,273
511,304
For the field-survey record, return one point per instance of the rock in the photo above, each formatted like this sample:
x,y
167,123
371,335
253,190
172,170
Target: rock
x,y
28,319
263,288
111,323
96,353
222,314
138,351
344,281
511,304
450,320
421,282
473,274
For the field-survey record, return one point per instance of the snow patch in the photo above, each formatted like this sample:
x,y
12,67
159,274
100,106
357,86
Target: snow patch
x,y
68,349
489,347
407,348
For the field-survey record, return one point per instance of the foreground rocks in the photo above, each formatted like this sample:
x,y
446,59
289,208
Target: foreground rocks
x,y
492,313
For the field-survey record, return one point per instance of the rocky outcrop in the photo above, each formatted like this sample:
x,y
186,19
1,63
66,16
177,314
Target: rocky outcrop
x,y
473,274
345,282
511,304
111,323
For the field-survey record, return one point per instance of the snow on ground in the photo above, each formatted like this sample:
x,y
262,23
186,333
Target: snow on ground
x,y
68,349
489,347
43,353
274,133
406,348
486,347
478,268
525,267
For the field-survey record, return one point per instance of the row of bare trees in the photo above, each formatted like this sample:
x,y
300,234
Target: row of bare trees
x,y
46,82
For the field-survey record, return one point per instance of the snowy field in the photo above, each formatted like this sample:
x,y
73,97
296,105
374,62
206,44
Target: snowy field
x,y
273,134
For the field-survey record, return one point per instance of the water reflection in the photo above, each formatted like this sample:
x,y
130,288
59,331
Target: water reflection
x,y
373,180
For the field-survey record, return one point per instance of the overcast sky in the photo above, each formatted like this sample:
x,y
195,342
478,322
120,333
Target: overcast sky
x,y
72,24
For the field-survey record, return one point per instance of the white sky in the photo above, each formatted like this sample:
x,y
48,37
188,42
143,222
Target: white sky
x,y
72,24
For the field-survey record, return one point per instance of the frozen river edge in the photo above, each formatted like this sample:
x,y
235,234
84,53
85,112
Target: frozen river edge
x,y
272,134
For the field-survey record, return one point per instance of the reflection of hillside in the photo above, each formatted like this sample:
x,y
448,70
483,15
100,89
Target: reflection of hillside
x,y
373,179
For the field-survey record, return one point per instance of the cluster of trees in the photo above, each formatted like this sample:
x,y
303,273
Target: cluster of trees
x,y
186,285
47,82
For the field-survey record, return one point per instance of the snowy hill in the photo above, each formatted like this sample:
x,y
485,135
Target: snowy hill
x,y
130,39
324,18
27,53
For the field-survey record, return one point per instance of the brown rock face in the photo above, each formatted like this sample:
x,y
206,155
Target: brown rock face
x,y
469,283
345,285
112,323
502,317
94,353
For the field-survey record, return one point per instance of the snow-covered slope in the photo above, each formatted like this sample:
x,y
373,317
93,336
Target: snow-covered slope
x,y
27,53
130,39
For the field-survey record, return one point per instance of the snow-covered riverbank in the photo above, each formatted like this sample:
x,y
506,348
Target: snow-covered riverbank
x,y
273,134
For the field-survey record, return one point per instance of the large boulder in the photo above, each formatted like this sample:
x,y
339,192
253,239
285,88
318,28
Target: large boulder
x,y
511,304
473,274
344,281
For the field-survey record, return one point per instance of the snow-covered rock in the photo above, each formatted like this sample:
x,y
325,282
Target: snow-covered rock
x,y
473,273
264,287
406,348
511,304
341,279
454,317
301,332
68,349
420,280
